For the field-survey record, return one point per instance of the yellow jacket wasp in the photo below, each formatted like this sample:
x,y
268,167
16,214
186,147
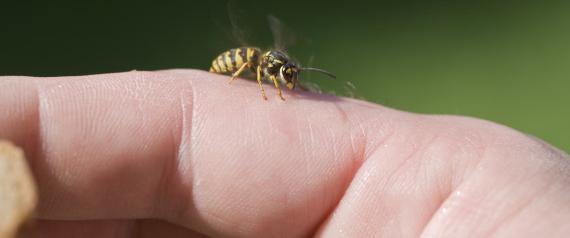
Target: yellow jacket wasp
x,y
274,65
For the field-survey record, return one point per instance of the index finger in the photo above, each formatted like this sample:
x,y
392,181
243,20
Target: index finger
x,y
187,147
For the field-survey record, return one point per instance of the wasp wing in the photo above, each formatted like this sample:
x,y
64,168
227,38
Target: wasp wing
x,y
283,36
240,34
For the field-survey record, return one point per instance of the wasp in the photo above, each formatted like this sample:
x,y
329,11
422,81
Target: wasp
x,y
274,65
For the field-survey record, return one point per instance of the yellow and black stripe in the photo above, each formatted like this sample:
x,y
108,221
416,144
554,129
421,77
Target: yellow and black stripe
x,y
231,60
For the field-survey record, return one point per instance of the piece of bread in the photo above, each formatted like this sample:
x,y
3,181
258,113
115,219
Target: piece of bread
x,y
18,196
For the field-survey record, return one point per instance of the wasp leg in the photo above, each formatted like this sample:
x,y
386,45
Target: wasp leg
x,y
259,82
272,77
237,73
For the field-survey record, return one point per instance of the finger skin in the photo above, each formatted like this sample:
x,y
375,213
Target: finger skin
x,y
165,145
185,147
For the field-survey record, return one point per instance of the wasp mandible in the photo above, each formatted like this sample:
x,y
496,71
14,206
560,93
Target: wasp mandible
x,y
274,65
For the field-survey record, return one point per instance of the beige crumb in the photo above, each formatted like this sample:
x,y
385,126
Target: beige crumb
x,y
18,195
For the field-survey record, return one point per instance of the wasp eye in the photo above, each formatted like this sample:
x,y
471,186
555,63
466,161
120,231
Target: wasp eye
x,y
286,70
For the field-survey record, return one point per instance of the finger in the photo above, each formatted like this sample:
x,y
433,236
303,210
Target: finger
x,y
186,147
189,148
457,177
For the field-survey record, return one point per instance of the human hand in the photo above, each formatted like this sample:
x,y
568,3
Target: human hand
x,y
181,153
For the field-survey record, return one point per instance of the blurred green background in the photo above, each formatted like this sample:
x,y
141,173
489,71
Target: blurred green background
x,y
506,61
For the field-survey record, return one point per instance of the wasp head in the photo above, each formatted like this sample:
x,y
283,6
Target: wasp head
x,y
289,74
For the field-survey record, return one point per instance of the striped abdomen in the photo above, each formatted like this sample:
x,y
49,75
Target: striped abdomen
x,y
231,60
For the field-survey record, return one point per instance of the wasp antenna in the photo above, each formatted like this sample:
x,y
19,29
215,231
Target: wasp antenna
x,y
322,71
